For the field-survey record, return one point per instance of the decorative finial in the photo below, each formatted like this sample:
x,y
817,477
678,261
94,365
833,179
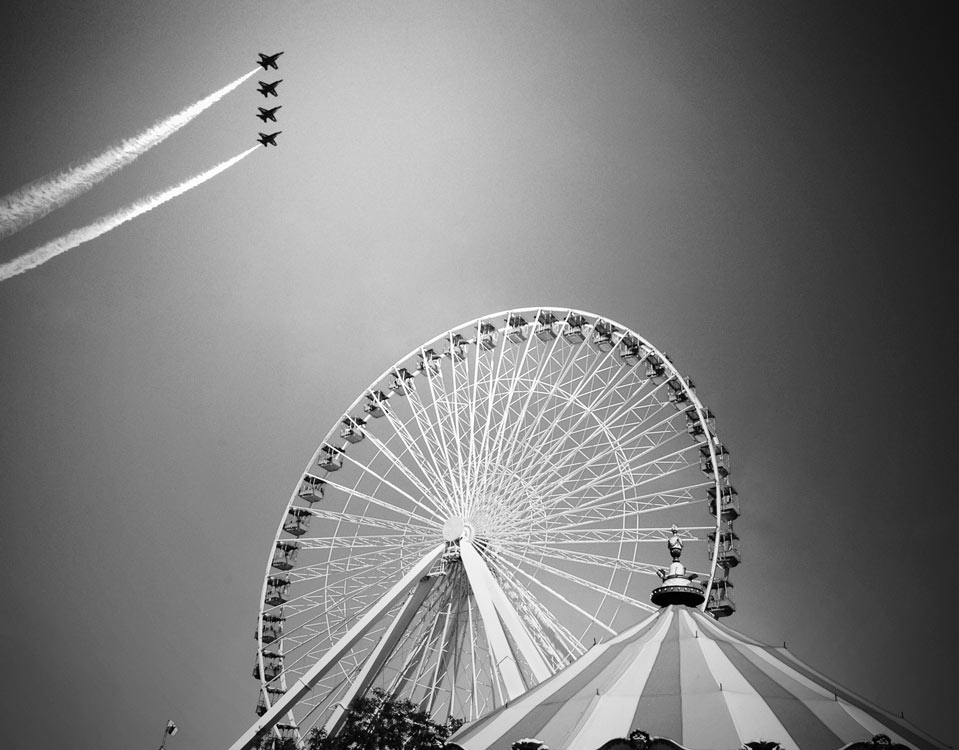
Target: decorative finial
x,y
678,585
675,544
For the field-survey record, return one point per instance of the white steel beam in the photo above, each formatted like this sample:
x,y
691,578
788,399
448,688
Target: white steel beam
x,y
303,686
503,657
381,653
504,608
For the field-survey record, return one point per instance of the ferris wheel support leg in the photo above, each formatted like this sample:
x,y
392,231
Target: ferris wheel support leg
x,y
495,606
302,686
381,653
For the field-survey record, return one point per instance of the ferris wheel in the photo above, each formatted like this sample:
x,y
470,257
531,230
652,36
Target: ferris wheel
x,y
485,511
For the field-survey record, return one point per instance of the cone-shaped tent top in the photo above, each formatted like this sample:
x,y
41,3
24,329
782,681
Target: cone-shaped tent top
x,y
680,674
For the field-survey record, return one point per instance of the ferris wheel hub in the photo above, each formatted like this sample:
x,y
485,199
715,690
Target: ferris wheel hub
x,y
456,528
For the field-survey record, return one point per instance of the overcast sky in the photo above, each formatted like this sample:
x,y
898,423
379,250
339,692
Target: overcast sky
x,y
764,190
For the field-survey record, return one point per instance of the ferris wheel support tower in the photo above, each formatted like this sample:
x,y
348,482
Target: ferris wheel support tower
x,y
498,616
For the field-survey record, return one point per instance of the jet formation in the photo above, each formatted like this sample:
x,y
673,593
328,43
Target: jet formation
x,y
268,114
268,61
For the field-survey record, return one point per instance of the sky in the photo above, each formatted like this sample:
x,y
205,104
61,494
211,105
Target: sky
x,y
760,189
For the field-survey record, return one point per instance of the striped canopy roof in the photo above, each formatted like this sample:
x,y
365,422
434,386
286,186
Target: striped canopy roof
x,y
680,674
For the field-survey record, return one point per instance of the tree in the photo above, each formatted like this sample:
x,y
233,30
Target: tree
x,y
377,722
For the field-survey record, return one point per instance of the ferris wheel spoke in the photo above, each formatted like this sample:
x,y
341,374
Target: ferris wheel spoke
x,y
572,398
473,671
434,442
301,649
367,520
412,447
655,433
492,380
637,398
657,467
588,585
522,362
350,570
410,641
348,605
615,506
383,480
325,604
418,642
426,462
588,404
341,542
568,446
424,653
535,615
603,561
451,649
444,647
615,535
654,471
431,492
572,605
323,598
564,442
480,360
354,561
442,439
538,375
460,382
342,671
413,663
642,439
495,415
362,598
470,466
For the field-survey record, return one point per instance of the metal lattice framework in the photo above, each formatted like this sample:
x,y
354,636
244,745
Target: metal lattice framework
x,y
487,509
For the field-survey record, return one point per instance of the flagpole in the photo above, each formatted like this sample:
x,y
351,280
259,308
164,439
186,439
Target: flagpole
x,y
168,731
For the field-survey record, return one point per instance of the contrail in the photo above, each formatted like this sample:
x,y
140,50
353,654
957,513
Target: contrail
x,y
70,240
38,198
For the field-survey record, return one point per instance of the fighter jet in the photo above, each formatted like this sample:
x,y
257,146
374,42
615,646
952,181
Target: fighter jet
x,y
268,61
269,139
268,114
269,88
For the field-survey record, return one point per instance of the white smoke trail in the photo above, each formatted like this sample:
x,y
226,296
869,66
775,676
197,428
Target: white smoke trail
x,y
38,198
70,240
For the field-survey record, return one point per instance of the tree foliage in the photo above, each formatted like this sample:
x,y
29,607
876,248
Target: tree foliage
x,y
377,722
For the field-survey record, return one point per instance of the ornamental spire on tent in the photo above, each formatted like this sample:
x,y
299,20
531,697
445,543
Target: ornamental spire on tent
x,y
679,587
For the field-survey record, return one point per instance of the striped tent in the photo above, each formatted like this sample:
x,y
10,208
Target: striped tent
x,y
682,675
